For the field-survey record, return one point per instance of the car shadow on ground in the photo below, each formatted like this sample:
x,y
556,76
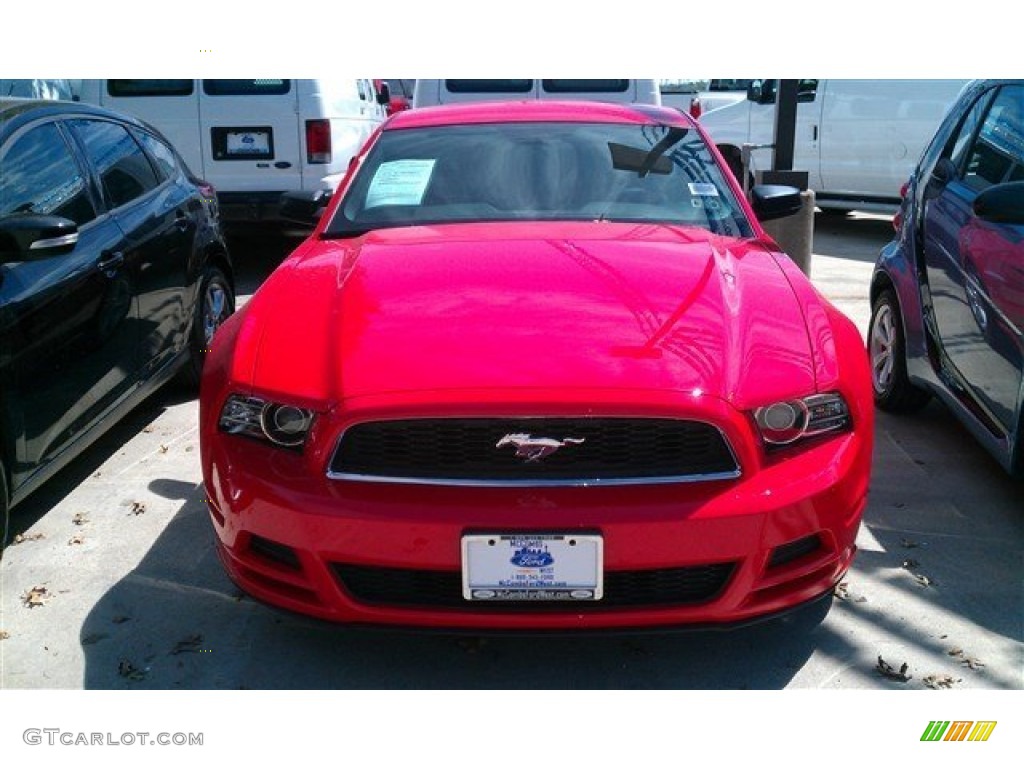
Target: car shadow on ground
x,y
49,494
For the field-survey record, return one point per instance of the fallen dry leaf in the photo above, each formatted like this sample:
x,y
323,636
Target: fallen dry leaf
x,y
972,662
126,669
121,619
4,634
22,538
93,638
890,672
138,508
923,580
76,539
189,645
910,563
35,597
909,544
941,681
163,448
80,518
842,592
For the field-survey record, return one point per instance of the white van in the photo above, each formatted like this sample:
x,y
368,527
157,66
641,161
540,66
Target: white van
x,y
429,93
858,139
253,139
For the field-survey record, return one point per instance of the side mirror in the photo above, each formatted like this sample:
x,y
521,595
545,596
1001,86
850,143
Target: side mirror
x,y
943,173
775,201
1001,204
304,207
384,95
761,91
32,236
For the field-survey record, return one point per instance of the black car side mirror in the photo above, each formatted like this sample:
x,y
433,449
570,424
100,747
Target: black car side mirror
x,y
384,95
1001,204
943,173
775,201
32,236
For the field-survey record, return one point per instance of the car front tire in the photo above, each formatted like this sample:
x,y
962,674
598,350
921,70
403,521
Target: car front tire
x,y
214,305
887,351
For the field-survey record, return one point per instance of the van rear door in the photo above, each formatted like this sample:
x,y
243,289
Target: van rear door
x,y
451,91
170,105
624,91
251,139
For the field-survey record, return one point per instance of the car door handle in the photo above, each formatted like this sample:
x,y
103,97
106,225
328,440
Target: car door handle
x,y
110,262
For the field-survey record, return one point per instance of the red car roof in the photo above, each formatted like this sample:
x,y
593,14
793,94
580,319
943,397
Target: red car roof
x,y
536,111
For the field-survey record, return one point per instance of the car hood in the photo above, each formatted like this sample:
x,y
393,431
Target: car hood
x,y
537,306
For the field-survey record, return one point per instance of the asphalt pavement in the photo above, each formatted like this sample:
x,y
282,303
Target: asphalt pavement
x,y
114,583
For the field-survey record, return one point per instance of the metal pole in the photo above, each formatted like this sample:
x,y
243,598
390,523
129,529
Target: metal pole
x,y
785,125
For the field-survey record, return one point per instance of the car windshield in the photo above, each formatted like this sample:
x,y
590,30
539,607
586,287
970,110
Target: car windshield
x,y
654,174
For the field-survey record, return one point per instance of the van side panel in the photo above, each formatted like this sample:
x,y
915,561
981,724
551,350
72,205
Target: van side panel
x,y
874,131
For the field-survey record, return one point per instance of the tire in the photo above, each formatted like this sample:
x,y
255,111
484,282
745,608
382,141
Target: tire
x,y
214,305
887,353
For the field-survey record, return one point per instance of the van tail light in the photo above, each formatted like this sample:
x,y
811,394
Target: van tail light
x,y
318,141
695,107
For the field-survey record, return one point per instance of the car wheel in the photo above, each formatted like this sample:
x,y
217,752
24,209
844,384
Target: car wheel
x,y
215,304
887,351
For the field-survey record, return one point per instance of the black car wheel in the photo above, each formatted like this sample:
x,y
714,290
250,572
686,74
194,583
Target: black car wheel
x,y
215,304
887,350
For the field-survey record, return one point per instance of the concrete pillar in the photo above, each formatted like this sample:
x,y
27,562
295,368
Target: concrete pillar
x,y
795,234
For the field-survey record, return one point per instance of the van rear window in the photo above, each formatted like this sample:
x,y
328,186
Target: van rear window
x,y
130,88
585,86
489,86
246,87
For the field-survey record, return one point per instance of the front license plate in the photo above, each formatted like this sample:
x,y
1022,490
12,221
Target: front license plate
x,y
247,143
532,567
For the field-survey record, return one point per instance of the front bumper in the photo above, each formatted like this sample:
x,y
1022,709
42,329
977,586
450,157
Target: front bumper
x,y
367,553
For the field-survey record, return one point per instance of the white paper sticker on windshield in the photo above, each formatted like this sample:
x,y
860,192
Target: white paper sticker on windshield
x,y
399,182
703,189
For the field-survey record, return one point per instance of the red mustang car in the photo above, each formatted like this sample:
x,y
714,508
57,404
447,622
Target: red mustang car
x,y
538,367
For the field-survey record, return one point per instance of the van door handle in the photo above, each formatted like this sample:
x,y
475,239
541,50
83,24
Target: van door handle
x,y
814,133
110,262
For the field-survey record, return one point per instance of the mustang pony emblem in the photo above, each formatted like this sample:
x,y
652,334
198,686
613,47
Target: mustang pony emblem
x,y
535,448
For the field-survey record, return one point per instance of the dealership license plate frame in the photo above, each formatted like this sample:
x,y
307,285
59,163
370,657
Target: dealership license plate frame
x,y
576,573
229,142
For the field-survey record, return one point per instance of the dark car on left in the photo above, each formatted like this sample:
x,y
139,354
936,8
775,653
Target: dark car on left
x,y
114,274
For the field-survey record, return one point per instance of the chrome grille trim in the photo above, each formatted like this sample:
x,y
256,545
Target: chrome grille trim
x,y
575,482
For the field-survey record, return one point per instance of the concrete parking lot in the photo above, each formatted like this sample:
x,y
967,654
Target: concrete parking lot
x,y
114,582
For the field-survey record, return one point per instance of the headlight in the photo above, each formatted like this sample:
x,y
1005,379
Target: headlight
x,y
282,424
788,421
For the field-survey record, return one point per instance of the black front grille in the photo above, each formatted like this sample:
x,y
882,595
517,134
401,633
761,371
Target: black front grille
x,y
661,588
593,450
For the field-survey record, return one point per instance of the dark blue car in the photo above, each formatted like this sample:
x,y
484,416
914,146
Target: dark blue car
x,y
947,294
